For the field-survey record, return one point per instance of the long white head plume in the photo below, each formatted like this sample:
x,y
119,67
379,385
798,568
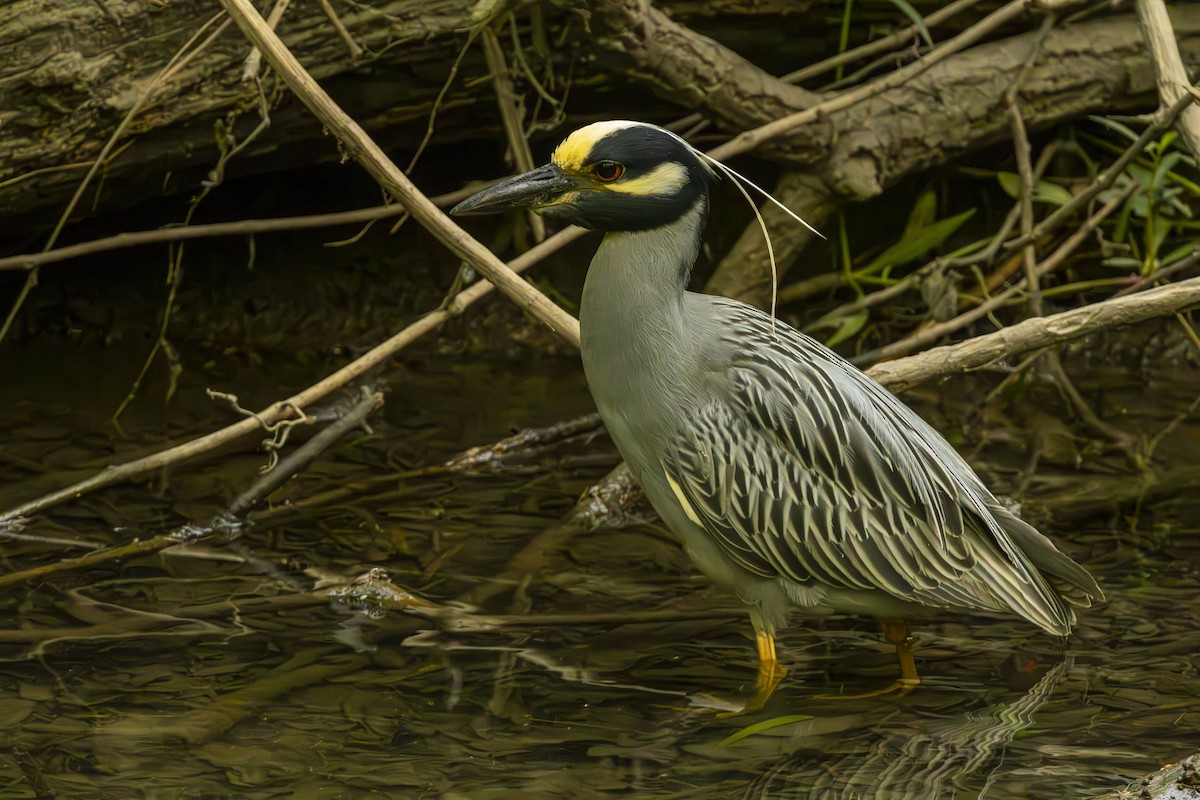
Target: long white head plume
x,y
738,180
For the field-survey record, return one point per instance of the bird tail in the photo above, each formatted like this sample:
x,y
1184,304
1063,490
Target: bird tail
x,y
1074,583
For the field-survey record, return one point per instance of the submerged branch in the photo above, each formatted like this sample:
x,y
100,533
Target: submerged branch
x,y
228,523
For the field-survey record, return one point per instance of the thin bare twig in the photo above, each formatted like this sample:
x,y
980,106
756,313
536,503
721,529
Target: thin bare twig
x,y
750,139
246,227
369,401
1127,441
511,117
881,45
863,51
1160,275
254,60
348,40
1023,152
1163,120
913,278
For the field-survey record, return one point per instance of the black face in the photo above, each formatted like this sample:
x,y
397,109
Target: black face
x,y
624,179
650,189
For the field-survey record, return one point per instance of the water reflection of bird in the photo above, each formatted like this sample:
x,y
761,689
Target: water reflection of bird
x,y
933,759
788,474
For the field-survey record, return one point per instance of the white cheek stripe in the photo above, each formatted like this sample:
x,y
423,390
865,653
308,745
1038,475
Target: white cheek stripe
x,y
664,180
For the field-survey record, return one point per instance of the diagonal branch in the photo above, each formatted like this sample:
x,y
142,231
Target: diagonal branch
x,y
1173,80
367,153
904,373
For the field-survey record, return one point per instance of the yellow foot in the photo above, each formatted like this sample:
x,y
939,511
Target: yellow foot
x,y
901,687
770,675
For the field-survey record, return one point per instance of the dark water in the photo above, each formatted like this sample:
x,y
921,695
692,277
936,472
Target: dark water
x,y
211,673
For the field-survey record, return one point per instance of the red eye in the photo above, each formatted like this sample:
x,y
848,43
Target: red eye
x,y
608,171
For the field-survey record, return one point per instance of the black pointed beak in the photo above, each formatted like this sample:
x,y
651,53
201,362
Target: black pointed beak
x,y
533,189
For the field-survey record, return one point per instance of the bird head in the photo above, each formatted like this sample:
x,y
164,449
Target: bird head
x,y
607,176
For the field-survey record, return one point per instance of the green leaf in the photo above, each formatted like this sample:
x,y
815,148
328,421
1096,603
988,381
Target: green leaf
x,y
1167,164
847,327
1158,233
923,214
919,242
1010,183
1122,262
1183,251
1043,191
1139,174
916,18
765,725
1047,192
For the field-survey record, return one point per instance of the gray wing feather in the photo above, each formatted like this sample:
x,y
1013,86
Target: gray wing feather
x,y
803,467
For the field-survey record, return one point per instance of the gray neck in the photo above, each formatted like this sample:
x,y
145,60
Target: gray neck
x,y
636,282
632,317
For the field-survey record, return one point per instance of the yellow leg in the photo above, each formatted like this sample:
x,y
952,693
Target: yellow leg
x,y
898,634
766,647
770,671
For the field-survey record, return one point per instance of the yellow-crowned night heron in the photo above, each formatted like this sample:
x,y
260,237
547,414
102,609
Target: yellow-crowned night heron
x,y
788,474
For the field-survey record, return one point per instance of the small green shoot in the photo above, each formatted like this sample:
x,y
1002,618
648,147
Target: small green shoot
x,y
765,725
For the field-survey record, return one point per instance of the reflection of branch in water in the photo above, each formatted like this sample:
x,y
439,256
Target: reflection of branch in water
x,y
537,657
903,764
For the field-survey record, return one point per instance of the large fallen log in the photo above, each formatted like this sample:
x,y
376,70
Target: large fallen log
x,y
70,72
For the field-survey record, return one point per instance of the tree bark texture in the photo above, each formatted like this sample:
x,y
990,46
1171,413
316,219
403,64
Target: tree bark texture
x,y
70,71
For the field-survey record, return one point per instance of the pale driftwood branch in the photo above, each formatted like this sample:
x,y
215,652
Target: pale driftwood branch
x,y
1173,80
366,152
905,373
